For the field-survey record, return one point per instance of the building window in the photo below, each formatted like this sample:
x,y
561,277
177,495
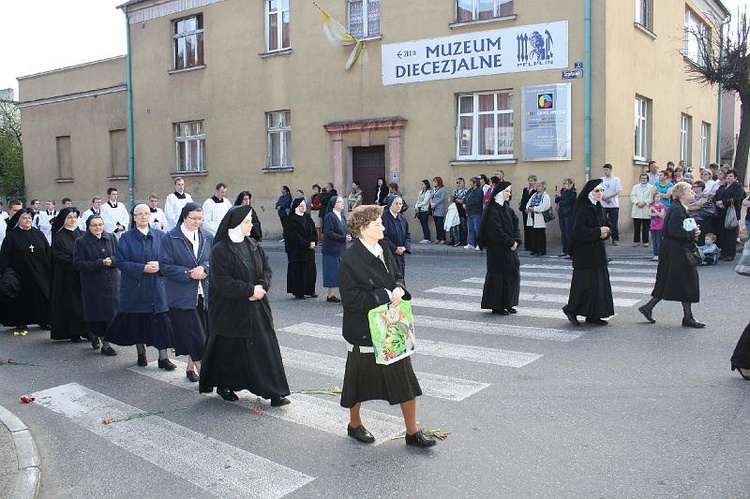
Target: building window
x,y
190,145
118,152
696,35
642,131
364,18
64,158
643,13
478,10
188,42
686,125
279,129
277,25
485,126
705,144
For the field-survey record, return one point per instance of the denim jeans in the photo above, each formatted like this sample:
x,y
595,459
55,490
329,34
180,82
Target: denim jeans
x,y
474,228
656,241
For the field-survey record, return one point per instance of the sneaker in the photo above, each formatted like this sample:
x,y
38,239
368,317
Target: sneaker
x,y
424,241
477,248
615,243
468,246
655,259
645,245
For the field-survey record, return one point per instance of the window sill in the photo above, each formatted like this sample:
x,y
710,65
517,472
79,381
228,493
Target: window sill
x,y
202,173
467,162
264,55
69,180
639,162
504,19
644,30
118,177
186,70
278,169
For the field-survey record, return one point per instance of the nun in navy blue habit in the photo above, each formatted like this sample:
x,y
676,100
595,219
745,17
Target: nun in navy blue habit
x,y
396,232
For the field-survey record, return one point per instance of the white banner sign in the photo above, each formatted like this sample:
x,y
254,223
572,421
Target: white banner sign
x,y
510,50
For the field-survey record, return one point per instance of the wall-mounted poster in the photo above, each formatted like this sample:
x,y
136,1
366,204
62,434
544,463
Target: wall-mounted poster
x,y
545,127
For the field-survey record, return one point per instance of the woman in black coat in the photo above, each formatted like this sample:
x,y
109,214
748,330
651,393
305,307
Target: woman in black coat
x,y
244,198
565,202
676,277
94,257
300,238
396,233
370,278
381,192
590,290
728,196
242,351
283,207
67,305
500,236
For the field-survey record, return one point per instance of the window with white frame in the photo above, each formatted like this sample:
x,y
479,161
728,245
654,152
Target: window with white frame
x,y
642,131
188,42
686,125
364,18
478,10
643,13
696,33
485,126
190,146
279,129
277,25
705,144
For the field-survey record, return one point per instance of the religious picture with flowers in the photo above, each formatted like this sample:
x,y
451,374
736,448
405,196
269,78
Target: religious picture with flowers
x,y
392,331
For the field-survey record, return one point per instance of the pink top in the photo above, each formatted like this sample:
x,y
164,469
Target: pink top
x,y
657,223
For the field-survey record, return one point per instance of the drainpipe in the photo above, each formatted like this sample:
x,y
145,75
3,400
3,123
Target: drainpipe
x,y
587,90
131,168
721,90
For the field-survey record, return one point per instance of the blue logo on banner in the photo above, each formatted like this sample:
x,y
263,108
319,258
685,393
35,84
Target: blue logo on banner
x,y
534,49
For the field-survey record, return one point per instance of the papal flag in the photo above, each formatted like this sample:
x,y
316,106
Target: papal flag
x,y
338,36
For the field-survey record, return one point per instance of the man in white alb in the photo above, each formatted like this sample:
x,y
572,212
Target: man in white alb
x,y
175,202
115,215
44,220
158,218
96,209
214,209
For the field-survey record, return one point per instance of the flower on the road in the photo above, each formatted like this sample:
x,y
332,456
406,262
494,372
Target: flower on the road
x,y
108,421
331,391
26,399
16,363
439,434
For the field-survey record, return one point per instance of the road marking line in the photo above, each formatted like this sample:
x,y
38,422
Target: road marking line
x,y
306,410
201,460
534,333
569,268
566,285
533,297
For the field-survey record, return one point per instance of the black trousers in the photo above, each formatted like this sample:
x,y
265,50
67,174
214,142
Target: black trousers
x,y
613,215
538,241
641,229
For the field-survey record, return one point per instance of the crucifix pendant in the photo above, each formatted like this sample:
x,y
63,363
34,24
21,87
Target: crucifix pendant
x,y
31,247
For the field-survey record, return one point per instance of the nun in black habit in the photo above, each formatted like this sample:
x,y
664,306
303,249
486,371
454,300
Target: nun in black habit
x,y
25,250
590,290
244,198
500,236
242,351
67,304
300,238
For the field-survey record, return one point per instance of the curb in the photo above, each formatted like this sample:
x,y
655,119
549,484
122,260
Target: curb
x,y
29,471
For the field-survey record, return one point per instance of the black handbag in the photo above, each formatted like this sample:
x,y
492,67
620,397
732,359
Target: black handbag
x,y
694,255
548,215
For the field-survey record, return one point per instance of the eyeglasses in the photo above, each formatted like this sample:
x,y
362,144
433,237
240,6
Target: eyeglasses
x,y
196,219
598,190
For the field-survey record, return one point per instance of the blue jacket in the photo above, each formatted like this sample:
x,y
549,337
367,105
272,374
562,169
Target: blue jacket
x,y
176,261
140,292
334,237
100,285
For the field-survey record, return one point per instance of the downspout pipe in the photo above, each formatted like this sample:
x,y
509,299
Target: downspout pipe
x,y
587,90
719,106
131,155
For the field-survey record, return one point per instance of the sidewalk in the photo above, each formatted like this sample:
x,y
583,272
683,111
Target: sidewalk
x,y
19,466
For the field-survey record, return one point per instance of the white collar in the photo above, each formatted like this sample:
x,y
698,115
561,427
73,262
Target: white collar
x,y
376,250
143,231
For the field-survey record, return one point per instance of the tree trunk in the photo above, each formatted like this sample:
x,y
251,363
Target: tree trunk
x,y
743,141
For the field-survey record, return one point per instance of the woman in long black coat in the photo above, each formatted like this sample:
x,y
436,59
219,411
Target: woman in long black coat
x,y
396,233
245,198
242,351
590,290
300,238
500,236
25,250
67,304
676,277
94,256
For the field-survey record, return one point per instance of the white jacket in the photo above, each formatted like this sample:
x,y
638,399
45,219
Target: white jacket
x,y
537,220
639,195
451,217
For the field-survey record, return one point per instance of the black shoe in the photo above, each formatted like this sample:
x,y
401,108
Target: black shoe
x,y
227,394
419,440
739,370
692,323
572,318
598,322
279,401
192,376
47,327
532,254
95,342
333,299
167,365
512,310
314,295
76,339
360,434
300,297
500,311
646,313
142,360
109,351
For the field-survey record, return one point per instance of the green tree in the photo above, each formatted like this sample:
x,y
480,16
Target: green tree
x,y
725,60
11,151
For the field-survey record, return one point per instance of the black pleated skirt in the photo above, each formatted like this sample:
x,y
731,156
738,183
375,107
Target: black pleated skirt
x,y
188,332
132,328
366,380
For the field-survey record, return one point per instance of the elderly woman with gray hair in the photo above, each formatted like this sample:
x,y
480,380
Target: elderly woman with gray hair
x,y
677,274
539,202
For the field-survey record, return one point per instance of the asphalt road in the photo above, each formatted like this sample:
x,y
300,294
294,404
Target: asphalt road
x,y
534,406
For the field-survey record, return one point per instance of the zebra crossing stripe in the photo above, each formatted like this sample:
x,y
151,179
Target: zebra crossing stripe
x,y
613,278
434,385
496,356
314,412
566,285
196,458
569,268
532,297
534,333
